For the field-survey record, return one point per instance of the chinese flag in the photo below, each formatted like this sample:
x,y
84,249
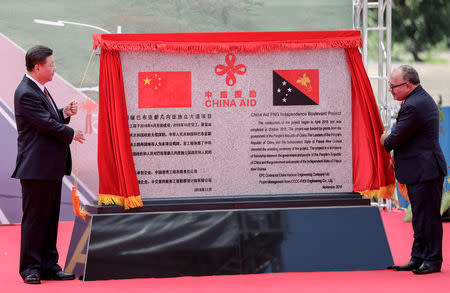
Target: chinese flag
x,y
165,89
296,87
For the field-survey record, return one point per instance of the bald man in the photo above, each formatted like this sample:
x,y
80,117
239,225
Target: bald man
x,y
420,165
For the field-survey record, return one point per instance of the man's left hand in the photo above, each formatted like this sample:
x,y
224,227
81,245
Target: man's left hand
x,y
71,109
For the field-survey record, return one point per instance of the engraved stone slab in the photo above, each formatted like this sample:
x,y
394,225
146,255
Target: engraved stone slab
x,y
239,124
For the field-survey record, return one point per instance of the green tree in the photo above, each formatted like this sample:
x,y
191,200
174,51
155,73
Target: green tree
x,y
420,24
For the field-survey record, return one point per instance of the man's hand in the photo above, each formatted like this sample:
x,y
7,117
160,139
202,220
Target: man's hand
x,y
383,137
79,136
71,109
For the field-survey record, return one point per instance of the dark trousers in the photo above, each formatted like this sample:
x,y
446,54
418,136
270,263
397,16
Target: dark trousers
x,y
425,200
40,205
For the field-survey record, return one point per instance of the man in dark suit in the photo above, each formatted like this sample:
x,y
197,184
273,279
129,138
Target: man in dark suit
x,y
420,165
43,158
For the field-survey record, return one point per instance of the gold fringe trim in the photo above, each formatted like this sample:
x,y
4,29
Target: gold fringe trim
x,y
109,199
133,202
130,202
385,192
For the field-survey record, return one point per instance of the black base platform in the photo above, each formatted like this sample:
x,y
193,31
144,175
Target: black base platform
x,y
224,235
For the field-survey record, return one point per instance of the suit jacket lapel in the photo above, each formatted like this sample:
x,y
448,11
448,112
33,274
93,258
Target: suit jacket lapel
x,y
40,93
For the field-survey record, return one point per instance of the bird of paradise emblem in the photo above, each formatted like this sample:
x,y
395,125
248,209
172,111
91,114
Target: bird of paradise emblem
x,y
305,81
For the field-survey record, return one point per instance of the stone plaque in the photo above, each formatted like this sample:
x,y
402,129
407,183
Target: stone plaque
x,y
239,124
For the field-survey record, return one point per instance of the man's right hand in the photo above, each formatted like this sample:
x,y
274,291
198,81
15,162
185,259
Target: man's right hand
x,y
79,136
383,137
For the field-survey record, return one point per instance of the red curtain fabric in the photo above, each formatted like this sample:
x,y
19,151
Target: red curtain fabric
x,y
236,42
372,175
117,174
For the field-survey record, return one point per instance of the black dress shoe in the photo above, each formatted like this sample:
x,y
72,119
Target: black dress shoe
x,y
427,268
60,276
32,279
411,265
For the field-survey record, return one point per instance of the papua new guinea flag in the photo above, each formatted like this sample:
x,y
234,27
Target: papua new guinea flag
x,y
296,87
165,89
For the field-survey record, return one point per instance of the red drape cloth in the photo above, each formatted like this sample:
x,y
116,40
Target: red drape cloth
x,y
237,42
372,175
117,175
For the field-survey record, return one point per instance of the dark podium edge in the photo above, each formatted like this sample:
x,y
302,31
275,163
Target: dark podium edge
x,y
78,252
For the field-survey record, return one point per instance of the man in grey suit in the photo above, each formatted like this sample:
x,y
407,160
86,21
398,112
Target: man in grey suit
x,y
420,165
43,158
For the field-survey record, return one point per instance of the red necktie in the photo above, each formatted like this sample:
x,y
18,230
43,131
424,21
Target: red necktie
x,y
47,95
48,98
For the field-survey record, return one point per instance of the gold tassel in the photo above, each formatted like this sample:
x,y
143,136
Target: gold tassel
x,y
79,212
401,187
403,190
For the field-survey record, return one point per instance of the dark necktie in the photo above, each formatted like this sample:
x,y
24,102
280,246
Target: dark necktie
x,y
49,99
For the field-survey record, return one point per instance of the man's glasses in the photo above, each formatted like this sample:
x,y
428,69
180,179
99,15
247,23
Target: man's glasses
x,y
393,86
